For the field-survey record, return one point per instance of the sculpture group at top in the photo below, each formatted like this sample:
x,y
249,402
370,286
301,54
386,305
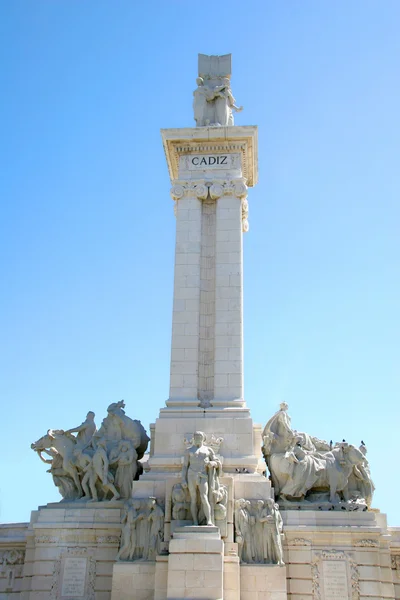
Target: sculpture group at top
x,y
308,470
213,101
95,464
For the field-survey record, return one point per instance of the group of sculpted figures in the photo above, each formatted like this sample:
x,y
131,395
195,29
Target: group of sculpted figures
x,y
201,496
142,530
307,470
258,531
95,464
213,102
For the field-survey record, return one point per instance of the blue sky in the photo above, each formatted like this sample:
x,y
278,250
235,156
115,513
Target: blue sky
x,y
87,225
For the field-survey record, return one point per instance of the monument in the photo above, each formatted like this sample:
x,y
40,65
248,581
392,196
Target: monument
x,y
220,507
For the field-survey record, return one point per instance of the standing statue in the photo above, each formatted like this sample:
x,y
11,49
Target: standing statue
x,y
258,532
130,516
97,472
243,524
124,456
156,519
272,520
199,474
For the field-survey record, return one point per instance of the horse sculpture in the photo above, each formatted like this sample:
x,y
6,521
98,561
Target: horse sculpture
x,y
64,444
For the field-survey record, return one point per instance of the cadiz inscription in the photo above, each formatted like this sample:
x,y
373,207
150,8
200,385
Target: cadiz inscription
x,y
335,580
200,162
74,577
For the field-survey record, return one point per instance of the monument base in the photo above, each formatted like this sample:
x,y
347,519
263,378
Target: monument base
x,y
196,564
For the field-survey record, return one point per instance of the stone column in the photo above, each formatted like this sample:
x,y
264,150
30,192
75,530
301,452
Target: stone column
x,y
186,303
228,368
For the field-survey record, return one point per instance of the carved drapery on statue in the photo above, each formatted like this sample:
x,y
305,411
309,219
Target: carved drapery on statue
x,y
258,531
213,101
142,530
307,470
95,465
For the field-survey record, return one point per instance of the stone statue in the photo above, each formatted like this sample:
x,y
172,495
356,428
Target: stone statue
x,y
124,456
258,532
272,520
130,516
306,469
93,463
142,529
243,525
156,519
85,431
96,472
180,502
200,475
213,101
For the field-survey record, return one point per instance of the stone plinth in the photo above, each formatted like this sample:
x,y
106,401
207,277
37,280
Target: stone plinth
x,y
133,581
196,564
72,541
262,582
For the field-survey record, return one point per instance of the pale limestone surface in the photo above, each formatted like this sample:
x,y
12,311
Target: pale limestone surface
x,y
213,101
303,467
72,547
95,465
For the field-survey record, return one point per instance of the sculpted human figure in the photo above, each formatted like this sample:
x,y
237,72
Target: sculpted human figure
x,y
258,530
243,522
272,520
180,506
130,517
124,456
156,519
97,471
213,103
85,431
225,104
198,469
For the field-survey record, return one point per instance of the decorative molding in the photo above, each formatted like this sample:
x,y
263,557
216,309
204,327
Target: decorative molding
x,y
202,189
12,557
210,440
367,543
46,539
245,215
108,539
396,563
352,572
229,140
78,552
299,542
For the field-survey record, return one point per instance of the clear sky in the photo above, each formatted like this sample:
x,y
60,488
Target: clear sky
x,y
87,224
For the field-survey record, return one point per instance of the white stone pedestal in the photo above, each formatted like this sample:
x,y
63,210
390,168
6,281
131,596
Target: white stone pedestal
x,y
196,564
262,582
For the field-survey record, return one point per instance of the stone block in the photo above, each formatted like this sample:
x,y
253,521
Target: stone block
x,y
300,586
194,579
370,588
180,562
103,583
176,579
207,562
201,593
177,593
367,557
299,571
